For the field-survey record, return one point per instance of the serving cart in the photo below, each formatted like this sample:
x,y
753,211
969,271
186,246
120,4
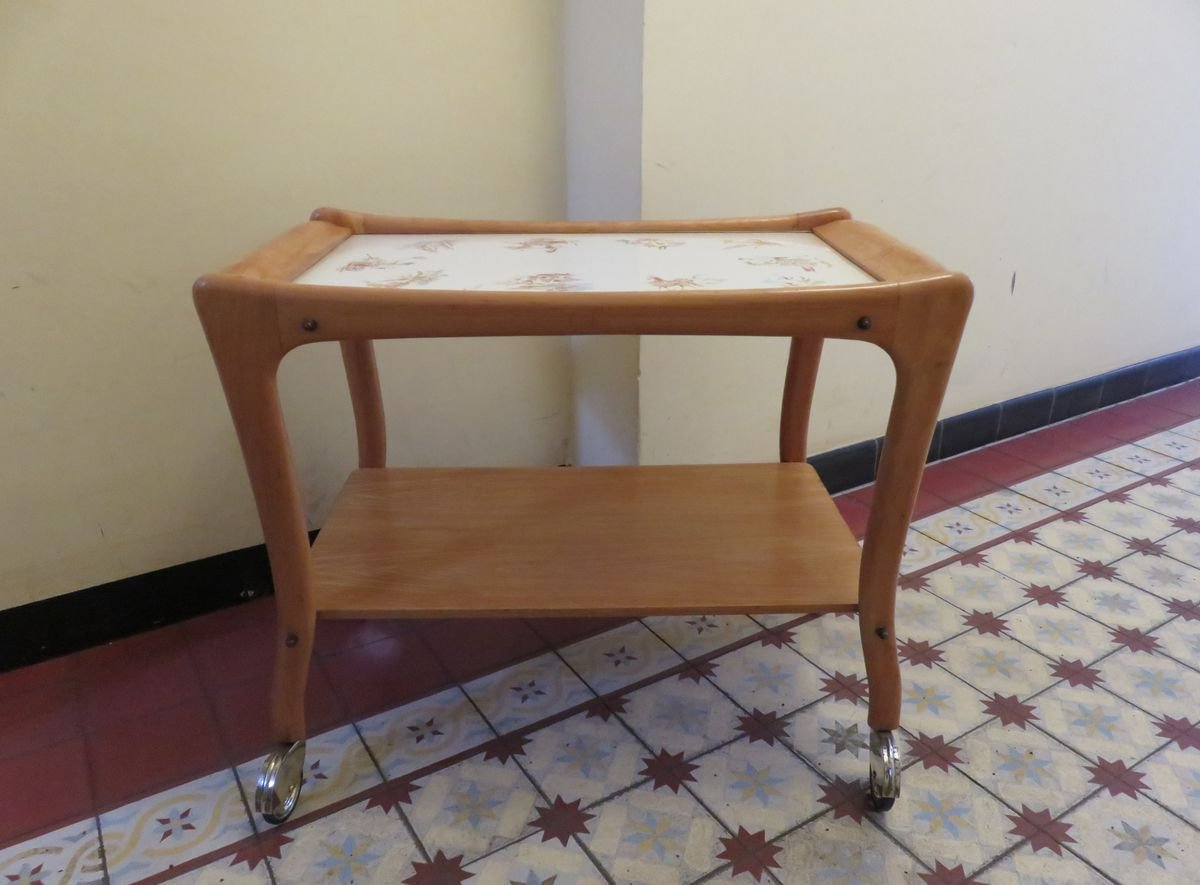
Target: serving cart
x,y
585,540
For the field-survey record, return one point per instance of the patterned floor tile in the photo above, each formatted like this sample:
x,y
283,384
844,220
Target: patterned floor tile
x,y
1115,604
67,855
1023,766
424,732
1138,460
1048,864
1057,631
1160,575
526,692
1059,492
1153,682
1173,445
769,678
1094,722
226,872
693,635
1128,520
1184,546
536,861
1029,563
164,830
1009,509
1191,429
1188,480
473,807
1181,640
653,836
1134,840
1099,474
836,849
1171,502
974,586
945,819
833,735
995,664
757,786
619,657
959,528
363,843
1081,540
937,703
921,551
1173,776
589,756
682,713
925,617
774,620
336,766
833,640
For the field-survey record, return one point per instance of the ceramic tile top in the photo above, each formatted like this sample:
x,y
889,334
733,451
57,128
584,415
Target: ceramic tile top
x,y
582,262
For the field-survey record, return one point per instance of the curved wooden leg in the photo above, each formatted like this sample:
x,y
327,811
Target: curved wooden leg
x,y
282,775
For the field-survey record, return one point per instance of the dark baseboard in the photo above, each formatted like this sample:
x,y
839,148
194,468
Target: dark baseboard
x,y
74,621
855,465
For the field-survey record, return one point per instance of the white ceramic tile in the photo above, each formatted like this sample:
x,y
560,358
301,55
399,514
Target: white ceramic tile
x,y
1181,640
423,732
1044,865
359,844
1095,723
834,736
603,262
227,871
1173,445
935,702
972,587
586,756
959,528
1173,776
536,861
996,664
620,657
1155,683
1128,520
1099,474
682,714
1081,540
526,692
1160,575
1188,480
923,617
1139,460
1135,841
833,641
693,635
1191,429
1009,509
70,854
841,849
768,678
1171,502
1058,632
921,551
1031,564
1115,604
1185,547
1059,492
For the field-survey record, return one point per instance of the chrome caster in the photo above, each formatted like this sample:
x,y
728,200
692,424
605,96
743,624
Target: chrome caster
x,y
884,783
279,783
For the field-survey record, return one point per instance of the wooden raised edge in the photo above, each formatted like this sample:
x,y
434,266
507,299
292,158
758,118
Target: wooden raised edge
x,y
878,252
290,254
365,223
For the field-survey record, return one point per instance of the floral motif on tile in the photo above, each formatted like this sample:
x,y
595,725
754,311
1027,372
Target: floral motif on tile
x,y
1171,502
1185,547
620,657
1135,841
693,635
935,702
1059,492
534,861
1057,631
169,828
1009,509
1115,603
921,551
1025,865
959,528
1165,578
423,732
70,854
1173,445
416,278
1152,682
1024,766
681,714
546,282
972,587
925,617
1138,460
1095,723
544,244
526,692
832,640
1181,639
1099,474
1032,564
225,872
583,756
1174,778
356,844
997,664
769,678
1128,520
1081,540
833,736
1187,479
832,849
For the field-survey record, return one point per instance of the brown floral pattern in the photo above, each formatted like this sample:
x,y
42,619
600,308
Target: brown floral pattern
x,y
418,278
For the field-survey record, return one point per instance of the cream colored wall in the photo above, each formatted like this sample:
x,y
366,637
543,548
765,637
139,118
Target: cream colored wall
x,y
144,143
1056,142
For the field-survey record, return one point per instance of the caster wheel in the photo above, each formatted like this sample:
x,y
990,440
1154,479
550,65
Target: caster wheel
x,y
884,782
279,783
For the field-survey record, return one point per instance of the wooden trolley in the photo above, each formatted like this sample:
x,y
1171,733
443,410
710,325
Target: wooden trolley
x,y
585,540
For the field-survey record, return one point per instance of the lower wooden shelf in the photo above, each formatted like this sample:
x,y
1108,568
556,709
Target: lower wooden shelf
x,y
584,541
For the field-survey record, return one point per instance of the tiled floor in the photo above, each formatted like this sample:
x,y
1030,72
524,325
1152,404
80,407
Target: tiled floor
x,y
1048,618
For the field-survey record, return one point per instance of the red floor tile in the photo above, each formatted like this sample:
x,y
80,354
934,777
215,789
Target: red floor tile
x,y
1000,467
47,674
1184,399
926,504
1083,440
233,652
471,647
952,483
149,677
38,719
152,752
243,713
1139,410
1036,449
558,632
1117,424
855,513
43,788
337,635
384,674
257,612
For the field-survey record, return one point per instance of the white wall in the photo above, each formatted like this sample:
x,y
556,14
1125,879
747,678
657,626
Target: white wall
x,y
1054,141
145,142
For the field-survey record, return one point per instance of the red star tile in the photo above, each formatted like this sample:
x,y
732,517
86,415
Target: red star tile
x,y
1158,481
932,751
986,623
1009,710
1040,829
1023,536
393,794
505,747
1073,516
604,708
441,870
845,687
766,727
750,853
919,653
1043,595
1146,546
697,670
1189,611
973,558
777,638
1182,731
1094,569
1192,526
668,770
268,844
561,820
846,798
1117,778
911,582
944,875
1077,673
1134,639
1119,497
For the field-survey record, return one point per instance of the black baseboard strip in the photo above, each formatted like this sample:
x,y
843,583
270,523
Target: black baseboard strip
x,y
855,465
74,621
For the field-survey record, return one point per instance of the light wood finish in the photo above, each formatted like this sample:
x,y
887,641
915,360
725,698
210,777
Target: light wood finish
x,y
584,541
362,374
597,540
803,360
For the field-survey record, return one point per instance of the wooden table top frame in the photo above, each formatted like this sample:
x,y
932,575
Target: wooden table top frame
x,y
800,553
